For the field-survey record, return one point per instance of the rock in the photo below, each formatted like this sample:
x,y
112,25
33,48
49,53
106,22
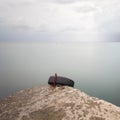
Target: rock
x,y
59,103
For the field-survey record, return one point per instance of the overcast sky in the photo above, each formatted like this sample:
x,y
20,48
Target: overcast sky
x,y
59,20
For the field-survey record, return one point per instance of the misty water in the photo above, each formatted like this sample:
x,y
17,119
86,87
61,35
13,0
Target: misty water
x,y
95,67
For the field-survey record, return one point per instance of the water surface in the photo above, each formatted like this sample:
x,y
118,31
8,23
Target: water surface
x,y
95,67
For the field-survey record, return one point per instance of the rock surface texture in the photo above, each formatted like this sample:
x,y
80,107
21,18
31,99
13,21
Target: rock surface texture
x,y
56,103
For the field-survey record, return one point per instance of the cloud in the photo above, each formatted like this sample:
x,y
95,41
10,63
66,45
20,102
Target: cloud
x,y
16,4
113,37
112,26
70,29
60,17
65,1
22,27
85,8
1,20
43,28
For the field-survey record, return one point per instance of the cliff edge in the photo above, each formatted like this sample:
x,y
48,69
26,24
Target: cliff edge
x,y
56,103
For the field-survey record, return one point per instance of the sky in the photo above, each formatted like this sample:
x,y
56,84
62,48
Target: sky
x,y
59,20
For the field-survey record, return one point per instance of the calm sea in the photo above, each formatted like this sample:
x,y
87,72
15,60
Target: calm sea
x,y
95,67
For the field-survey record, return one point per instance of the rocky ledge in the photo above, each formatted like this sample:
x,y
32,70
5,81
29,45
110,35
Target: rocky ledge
x,y
56,103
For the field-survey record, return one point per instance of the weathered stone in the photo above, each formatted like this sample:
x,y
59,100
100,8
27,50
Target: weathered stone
x,y
56,103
